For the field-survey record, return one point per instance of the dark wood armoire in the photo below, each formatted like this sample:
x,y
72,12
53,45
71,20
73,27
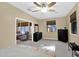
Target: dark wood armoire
x,y
63,35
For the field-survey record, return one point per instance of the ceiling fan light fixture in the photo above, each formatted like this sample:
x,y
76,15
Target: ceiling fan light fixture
x,y
44,9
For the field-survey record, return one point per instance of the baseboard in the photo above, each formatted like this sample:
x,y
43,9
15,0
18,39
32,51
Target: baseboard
x,y
50,38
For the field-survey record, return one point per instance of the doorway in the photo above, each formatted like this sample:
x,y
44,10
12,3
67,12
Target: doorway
x,y
24,30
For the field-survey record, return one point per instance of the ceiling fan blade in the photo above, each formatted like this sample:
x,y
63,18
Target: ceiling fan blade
x,y
51,10
37,4
51,4
35,11
29,9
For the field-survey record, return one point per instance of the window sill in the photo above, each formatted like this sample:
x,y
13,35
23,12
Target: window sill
x,y
74,34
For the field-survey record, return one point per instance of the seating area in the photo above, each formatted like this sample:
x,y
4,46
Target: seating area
x,y
23,37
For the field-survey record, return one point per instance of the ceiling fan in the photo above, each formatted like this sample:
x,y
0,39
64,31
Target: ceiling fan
x,y
43,6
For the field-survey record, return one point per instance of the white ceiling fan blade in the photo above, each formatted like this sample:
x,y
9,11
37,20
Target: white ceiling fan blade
x,y
35,10
32,10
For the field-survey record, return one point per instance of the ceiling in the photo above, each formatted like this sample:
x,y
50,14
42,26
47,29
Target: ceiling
x,y
61,9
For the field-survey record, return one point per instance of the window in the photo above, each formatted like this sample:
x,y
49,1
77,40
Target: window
x,y
73,23
36,27
51,26
23,29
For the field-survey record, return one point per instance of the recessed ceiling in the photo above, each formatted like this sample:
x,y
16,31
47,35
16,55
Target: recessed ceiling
x,y
61,9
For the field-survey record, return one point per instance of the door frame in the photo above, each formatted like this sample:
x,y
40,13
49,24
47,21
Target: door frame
x,y
27,20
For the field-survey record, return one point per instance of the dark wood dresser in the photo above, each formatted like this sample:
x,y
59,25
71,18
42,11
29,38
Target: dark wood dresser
x,y
63,35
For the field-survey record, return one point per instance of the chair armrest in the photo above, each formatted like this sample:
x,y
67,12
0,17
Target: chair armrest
x,y
74,46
